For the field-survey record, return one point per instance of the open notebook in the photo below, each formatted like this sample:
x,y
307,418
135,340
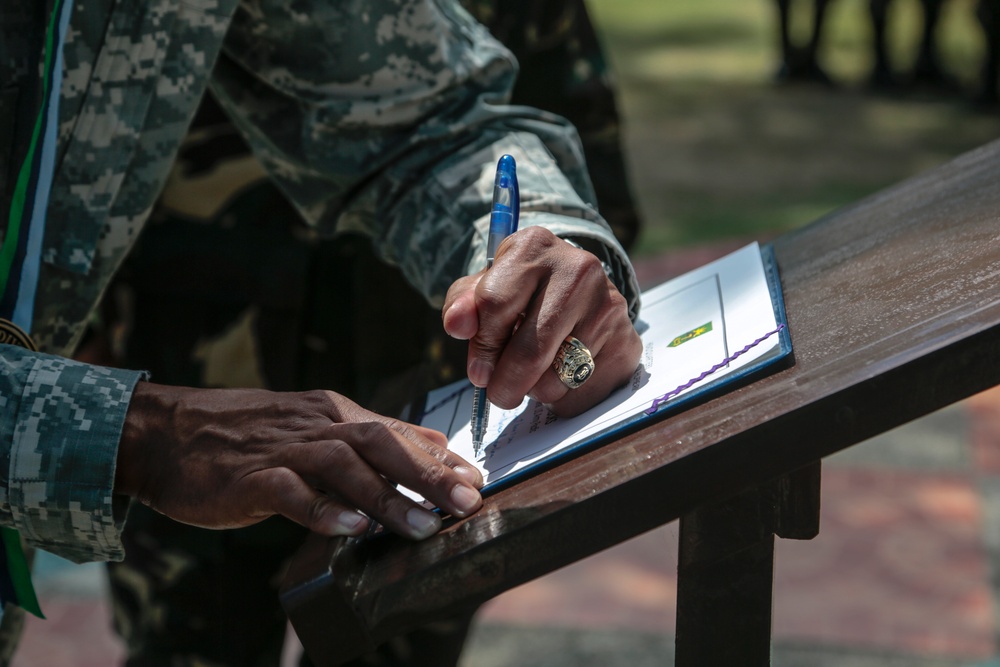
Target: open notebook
x,y
709,330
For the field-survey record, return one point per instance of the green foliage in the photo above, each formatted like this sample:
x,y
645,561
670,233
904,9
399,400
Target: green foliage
x,y
718,150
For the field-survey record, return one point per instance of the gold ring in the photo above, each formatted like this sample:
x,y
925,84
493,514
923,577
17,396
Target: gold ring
x,y
573,363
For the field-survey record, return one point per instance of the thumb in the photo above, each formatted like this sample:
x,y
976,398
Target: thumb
x,y
459,314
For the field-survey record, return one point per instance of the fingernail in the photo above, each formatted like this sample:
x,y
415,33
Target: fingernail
x,y
465,499
480,372
470,474
423,523
451,327
352,522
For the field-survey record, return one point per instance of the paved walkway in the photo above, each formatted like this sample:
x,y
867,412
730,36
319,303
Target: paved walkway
x,y
905,571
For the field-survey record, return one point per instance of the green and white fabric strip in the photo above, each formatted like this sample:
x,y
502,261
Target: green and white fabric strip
x,y
20,261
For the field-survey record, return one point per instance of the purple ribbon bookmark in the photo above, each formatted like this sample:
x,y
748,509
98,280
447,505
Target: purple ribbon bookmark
x,y
722,364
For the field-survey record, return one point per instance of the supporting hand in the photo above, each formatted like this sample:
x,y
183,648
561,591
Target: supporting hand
x,y
224,458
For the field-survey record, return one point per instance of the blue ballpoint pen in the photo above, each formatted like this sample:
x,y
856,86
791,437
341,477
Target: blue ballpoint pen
x,y
503,222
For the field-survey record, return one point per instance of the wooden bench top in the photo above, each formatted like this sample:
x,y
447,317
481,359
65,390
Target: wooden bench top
x,y
894,310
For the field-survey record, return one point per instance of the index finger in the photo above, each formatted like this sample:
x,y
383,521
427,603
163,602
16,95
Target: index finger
x,y
459,315
393,450
502,296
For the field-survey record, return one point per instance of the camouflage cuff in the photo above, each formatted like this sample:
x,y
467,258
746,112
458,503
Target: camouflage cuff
x,y
62,423
548,199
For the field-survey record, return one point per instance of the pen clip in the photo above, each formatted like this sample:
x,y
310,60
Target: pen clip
x,y
506,204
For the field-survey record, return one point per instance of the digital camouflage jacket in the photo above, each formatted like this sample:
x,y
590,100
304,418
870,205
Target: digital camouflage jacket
x,y
385,117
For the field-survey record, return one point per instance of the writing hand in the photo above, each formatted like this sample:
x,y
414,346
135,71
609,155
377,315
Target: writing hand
x,y
225,458
516,315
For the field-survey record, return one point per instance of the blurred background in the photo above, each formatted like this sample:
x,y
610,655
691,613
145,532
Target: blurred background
x,y
718,149
724,146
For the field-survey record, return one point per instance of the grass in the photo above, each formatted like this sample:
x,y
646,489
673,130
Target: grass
x,y
717,150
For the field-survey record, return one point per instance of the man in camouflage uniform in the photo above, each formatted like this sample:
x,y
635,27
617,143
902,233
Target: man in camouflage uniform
x,y
384,121
217,318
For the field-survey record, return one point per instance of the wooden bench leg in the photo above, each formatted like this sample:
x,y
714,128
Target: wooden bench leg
x,y
726,567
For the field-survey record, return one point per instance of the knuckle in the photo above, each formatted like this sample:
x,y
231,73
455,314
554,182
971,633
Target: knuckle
x,y
617,299
395,426
527,245
529,347
547,394
489,299
488,347
403,429
432,475
585,266
636,346
319,507
324,403
611,314
318,399
336,454
489,343
439,453
383,501
391,424
373,433
535,235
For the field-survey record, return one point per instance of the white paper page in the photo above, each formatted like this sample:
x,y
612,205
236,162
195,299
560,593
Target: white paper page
x,y
708,315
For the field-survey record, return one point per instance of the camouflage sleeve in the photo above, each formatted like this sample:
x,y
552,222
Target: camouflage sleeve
x,y
388,117
60,422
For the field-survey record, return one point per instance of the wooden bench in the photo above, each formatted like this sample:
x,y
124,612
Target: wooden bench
x,y
894,311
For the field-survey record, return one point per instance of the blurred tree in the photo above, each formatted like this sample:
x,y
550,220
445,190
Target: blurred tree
x,y
927,70
988,12
800,63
